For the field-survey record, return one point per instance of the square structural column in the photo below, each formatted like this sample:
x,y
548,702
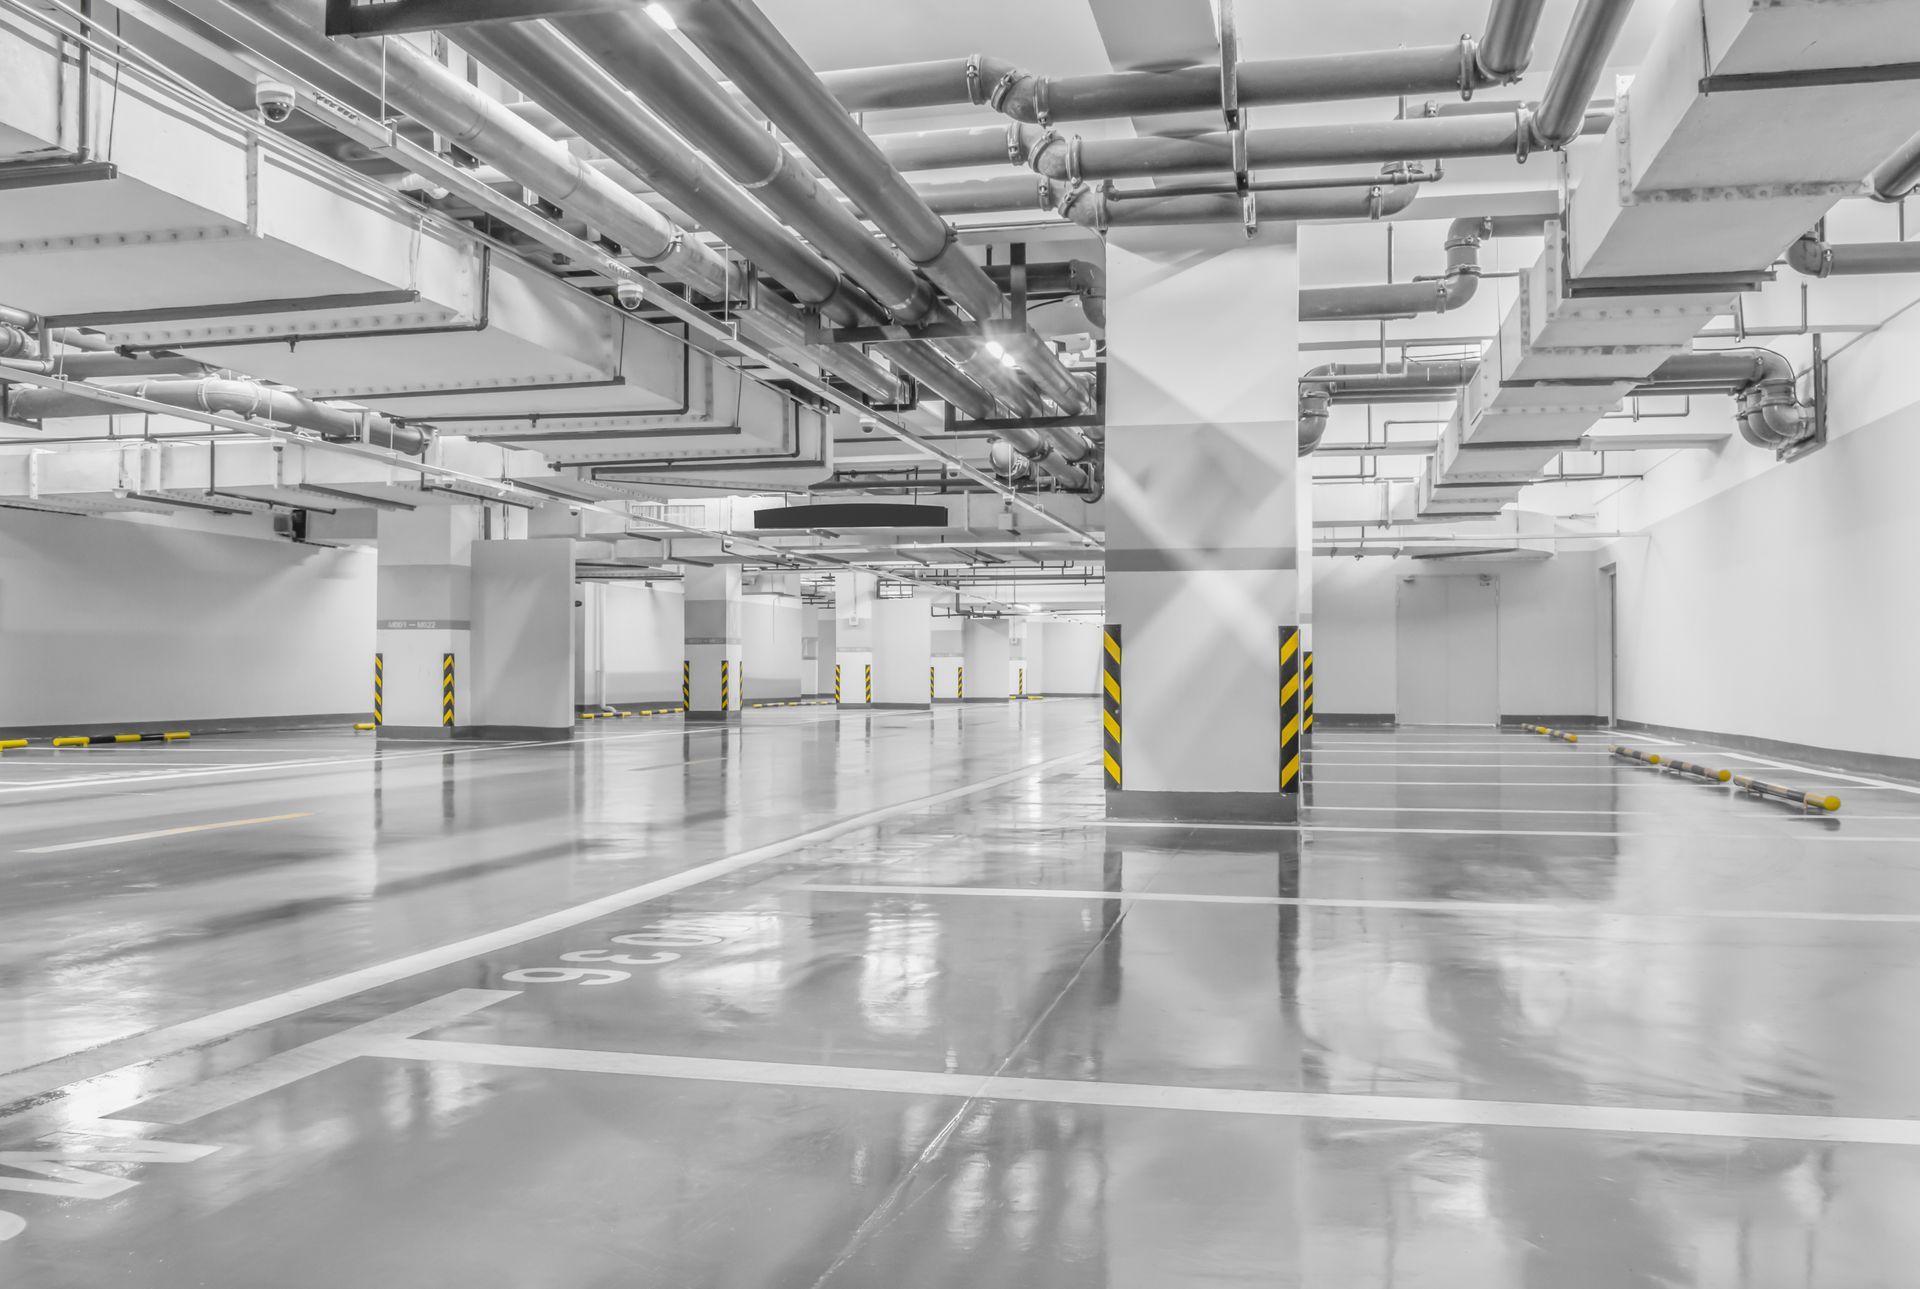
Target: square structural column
x,y
902,652
421,671
987,645
712,679
948,663
770,640
1203,528
853,601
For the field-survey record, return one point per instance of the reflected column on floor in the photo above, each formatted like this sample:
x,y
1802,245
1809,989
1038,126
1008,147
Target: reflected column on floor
x,y
713,642
1202,516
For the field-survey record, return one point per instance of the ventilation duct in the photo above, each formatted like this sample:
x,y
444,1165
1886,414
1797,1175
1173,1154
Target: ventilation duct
x,y
242,398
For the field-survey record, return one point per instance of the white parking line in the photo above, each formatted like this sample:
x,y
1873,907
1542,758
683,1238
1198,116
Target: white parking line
x,y
1336,902
49,1076
126,837
1138,1096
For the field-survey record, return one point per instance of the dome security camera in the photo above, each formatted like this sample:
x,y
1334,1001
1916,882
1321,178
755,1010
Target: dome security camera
x,y
629,294
274,100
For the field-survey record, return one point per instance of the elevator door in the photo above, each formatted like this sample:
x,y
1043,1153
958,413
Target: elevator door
x,y
1449,649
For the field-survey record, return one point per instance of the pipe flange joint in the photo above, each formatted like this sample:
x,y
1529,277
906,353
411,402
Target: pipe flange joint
x,y
1376,201
1469,64
1002,90
973,80
1016,144
1073,160
671,249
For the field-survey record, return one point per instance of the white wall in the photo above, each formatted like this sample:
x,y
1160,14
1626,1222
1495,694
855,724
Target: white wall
x,y
634,637
1551,644
106,622
1063,657
1779,600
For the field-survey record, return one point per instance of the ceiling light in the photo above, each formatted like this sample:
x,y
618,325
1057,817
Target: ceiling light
x,y
997,349
1007,360
658,12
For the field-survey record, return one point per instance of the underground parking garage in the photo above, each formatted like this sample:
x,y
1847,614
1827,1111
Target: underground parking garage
x,y
1081,645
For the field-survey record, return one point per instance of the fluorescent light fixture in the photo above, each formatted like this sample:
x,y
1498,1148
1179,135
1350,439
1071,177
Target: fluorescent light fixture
x,y
1007,360
997,349
658,12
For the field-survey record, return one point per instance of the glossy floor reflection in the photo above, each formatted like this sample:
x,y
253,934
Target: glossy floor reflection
x,y
883,1000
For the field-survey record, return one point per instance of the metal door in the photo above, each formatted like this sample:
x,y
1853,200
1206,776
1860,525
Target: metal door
x,y
1448,630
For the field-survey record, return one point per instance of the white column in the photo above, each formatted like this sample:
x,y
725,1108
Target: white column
x,y
1202,523
948,656
770,640
713,642
521,679
853,602
425,614
902,651
988,646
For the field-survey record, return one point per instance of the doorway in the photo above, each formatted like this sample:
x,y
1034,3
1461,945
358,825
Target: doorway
x,y
1448,633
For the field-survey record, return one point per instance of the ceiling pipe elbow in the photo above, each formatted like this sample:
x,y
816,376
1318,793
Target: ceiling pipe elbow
x,y
1810,256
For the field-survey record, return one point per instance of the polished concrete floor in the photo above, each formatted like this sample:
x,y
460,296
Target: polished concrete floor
x,y
882,1001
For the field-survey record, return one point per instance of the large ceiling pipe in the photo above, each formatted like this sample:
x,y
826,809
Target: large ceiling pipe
x,y
1498,58
747,47
405,76
1072,159
1816,258
538,60
1407,382
1770,413
1898,174
1449,291
540,63
1099,206
1576,72
243,398
636,52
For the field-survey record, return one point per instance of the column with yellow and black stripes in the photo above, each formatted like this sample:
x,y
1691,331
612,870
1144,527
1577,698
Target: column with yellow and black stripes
x,y
379,689
1110,704
1291,709
1306,701
712,681
446,690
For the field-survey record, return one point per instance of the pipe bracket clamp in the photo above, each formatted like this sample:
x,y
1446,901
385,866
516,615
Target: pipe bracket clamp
x,y
1522,134
1376,198
1073,160
1469,61
973,81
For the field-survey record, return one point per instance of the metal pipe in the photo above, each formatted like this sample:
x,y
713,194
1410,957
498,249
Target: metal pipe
x,y
1449,291
1898,174
1099,207
536,59
1323,386
1576,72
1506,43
406,76
1499,57
241,398
1072,159
1817,258
740,39
636,52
